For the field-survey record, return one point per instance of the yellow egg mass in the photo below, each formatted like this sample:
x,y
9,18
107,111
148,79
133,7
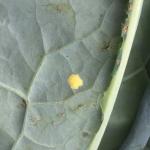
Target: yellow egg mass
x,y
75,81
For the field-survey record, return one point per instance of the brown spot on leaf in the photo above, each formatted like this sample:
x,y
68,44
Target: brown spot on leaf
x,y
118,61
78,107
85,134
61,114
62,7
125,28
35,120
22,104
105,45
130,6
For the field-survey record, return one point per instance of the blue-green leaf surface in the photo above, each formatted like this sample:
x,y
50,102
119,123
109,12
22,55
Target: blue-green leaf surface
x,y
42,42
